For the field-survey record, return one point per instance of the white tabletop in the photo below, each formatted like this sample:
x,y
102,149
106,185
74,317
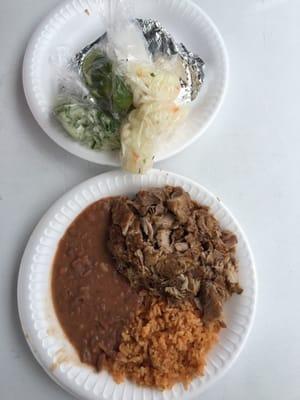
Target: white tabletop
x,y
249,157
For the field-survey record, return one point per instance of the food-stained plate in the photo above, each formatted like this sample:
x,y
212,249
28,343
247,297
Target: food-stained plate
x,y
43,332
75,23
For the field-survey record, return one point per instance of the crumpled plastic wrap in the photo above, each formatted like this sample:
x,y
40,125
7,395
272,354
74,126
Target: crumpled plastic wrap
x,y
161,43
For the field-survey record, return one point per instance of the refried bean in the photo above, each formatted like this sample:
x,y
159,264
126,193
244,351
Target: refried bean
x,y
93,302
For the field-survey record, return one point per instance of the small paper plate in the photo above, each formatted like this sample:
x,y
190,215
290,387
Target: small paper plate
x,y
40,325
76,23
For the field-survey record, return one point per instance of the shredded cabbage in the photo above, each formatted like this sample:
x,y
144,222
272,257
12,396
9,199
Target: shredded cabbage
x,y
143,130
151,83
156,87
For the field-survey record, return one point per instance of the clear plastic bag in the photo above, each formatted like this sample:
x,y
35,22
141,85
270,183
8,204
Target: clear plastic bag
x,y
87,123
92,103
116,93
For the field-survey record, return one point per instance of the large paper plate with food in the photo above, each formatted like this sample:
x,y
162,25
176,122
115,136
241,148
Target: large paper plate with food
x,y
137,287
125,82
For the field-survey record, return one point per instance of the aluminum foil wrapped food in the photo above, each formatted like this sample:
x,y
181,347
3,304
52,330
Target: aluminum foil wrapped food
x,y
161,43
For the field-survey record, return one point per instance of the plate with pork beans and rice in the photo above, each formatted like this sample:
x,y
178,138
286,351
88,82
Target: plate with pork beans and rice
x,y
137,286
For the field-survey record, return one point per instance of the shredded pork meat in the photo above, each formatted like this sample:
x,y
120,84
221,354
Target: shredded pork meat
x,y
166,243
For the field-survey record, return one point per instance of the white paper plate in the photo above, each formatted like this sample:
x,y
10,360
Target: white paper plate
x,y
75,23
39,322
